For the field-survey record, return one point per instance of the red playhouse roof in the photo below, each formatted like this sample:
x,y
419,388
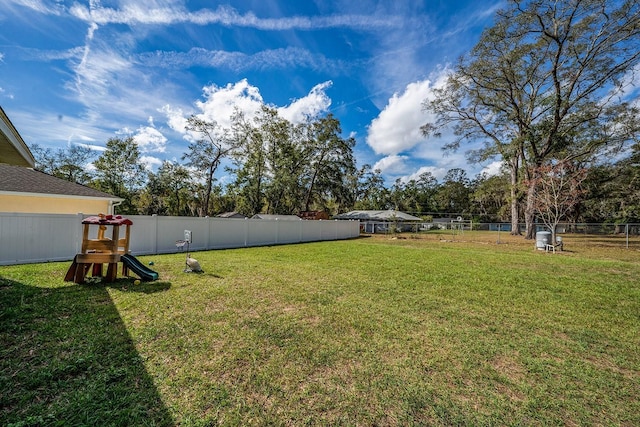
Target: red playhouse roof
x,y
107,220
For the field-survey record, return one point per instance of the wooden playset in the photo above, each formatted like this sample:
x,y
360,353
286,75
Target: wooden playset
x,y
109,249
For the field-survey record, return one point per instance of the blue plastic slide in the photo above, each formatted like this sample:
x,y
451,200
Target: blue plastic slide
x,y
132,263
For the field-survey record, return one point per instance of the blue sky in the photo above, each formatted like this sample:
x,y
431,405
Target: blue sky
x,y
81,72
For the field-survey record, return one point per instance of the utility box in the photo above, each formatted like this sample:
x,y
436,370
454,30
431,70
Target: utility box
x,y
543,238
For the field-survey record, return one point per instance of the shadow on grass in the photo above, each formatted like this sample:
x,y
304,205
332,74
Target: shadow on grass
x,y
67,359
128,285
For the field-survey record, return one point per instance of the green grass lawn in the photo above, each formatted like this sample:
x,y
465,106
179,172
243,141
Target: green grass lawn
x,y
372,331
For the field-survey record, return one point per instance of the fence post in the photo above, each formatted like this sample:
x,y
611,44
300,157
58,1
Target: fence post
x,y
208,244
155,234
627,234
78,232
246,231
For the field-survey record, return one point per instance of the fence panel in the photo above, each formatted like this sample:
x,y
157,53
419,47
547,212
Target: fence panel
x,y
199,228
313,232
346,228
261,232
27,238
290,231
228,233
169,230
143,234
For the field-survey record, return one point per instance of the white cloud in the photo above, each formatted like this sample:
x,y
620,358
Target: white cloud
x,y
114,90
221,101
50,129
388,76
150,139
39,6
312,105
218,105
437,172
175,118
150,162
133,13
397,166
96,73
195,56
391,165
430,37
478,13
493,168
44,55
283,58
397,127
4,93
396,134
97,148
630,86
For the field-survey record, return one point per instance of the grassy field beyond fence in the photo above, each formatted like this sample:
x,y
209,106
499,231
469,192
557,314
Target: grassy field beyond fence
x,y
392,330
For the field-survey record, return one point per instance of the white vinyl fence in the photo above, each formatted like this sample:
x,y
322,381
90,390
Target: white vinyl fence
x,y
30,238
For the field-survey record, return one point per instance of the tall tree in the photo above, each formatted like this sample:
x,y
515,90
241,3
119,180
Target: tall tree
x,y
178,188
151,199
169,191
284,161
120,172
66,163
285,168
454,193
613,191
249,160
369,191
490,197
557,190
205,155
427,189
403,195
329,160
546,81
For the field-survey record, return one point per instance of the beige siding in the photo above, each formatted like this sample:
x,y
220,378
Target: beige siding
x,y
52,205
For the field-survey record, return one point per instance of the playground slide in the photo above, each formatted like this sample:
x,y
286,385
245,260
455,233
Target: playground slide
x,y
138,268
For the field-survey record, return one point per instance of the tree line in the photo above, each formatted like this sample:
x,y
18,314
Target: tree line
x,y
278,171
277,167
550,90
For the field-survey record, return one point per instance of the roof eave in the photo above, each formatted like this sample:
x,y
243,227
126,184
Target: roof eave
x,y
12,145
59,196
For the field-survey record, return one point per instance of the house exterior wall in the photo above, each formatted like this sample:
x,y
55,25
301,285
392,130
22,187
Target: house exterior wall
x,y
52,205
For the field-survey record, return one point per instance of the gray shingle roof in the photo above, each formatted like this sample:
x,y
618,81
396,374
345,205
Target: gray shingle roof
x,y
26,180
230,215
278,217
378,215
